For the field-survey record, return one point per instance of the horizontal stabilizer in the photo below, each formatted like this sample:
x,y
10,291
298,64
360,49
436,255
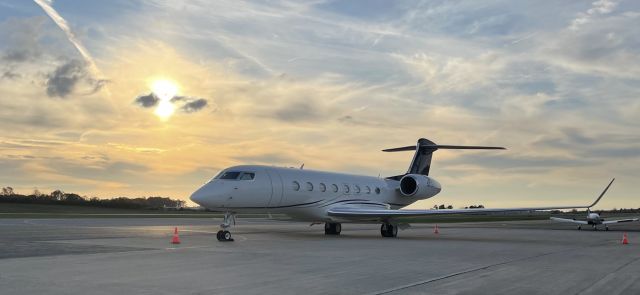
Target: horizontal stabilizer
x,y
441,146
424,148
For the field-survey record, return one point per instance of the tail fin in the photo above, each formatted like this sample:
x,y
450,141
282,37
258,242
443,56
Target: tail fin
x,y
421,162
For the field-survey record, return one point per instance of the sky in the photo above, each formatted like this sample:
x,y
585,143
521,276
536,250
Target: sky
x,y
147,98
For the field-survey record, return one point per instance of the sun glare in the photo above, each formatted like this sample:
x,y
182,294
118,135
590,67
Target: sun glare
x,y
165,90
164,110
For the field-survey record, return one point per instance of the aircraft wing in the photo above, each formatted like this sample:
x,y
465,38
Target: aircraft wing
x,y
356,212
569,220
620,220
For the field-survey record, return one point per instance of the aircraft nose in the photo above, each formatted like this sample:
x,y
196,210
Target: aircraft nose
x,y
198,196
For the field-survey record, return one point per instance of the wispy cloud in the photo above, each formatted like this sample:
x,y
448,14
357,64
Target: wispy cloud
x,y
600,7
64,26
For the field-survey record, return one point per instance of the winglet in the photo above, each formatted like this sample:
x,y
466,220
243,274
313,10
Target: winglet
x,y
602,194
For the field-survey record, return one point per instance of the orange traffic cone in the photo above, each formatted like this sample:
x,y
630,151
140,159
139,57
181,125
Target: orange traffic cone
x,y
624,239
175,239
435,230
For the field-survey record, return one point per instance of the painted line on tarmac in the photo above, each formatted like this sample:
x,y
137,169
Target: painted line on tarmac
x,y
199,231
191,247
424,282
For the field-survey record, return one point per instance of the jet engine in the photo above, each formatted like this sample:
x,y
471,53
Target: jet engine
x,y
418,186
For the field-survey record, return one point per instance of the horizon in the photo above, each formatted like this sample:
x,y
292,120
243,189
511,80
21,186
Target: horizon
x,y
153,98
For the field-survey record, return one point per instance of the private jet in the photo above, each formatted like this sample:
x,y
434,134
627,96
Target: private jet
x,y
335,198
594,220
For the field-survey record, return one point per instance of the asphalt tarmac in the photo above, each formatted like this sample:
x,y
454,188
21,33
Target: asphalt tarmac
x,y
135,256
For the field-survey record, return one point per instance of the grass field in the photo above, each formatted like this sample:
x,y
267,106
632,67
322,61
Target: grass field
x,y
12,210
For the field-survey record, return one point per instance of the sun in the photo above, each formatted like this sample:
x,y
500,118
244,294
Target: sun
x,y
165,90
164,110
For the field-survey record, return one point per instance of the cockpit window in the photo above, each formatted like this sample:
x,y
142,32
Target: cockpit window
x,y
247,176
236,175
229,175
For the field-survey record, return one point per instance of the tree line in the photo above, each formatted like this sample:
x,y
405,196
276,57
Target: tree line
x,y
7,195
443,206
614,210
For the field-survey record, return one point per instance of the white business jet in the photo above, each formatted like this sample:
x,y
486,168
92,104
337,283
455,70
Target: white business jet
x,y
594,220
334,198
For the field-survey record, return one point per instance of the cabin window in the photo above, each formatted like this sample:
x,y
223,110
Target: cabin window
x,y
229,175
247,176
296,186
367,189
323,187
309,186
377,190
357,189
346,188
334,187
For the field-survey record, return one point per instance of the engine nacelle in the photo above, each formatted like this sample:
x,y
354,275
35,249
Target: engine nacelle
x,y
419,186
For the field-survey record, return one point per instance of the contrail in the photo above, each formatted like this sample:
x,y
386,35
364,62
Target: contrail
x,y
62,24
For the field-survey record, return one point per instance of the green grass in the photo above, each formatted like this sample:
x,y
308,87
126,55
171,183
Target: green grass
x,y
12,210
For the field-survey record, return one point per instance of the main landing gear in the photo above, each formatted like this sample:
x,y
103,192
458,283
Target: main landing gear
x,y
223,234
332,228
594,227
389,230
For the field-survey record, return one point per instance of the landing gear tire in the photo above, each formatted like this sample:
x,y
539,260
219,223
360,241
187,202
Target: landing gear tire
x,y
224,236
332,228
388,230
579,227
606,228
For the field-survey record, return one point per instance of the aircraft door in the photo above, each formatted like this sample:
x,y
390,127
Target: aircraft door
x,y
276,188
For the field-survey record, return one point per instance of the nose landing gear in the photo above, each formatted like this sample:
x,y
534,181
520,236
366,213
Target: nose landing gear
x,y
223,234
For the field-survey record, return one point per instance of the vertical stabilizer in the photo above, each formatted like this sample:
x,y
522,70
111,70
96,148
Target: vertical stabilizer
x,y
421,162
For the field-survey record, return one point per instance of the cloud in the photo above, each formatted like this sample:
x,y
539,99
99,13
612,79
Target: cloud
x,y
18,55
187,104
268,158
194,105
64,79
22,38
10,75
67,77
298,111
190,104
600,7
147,101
